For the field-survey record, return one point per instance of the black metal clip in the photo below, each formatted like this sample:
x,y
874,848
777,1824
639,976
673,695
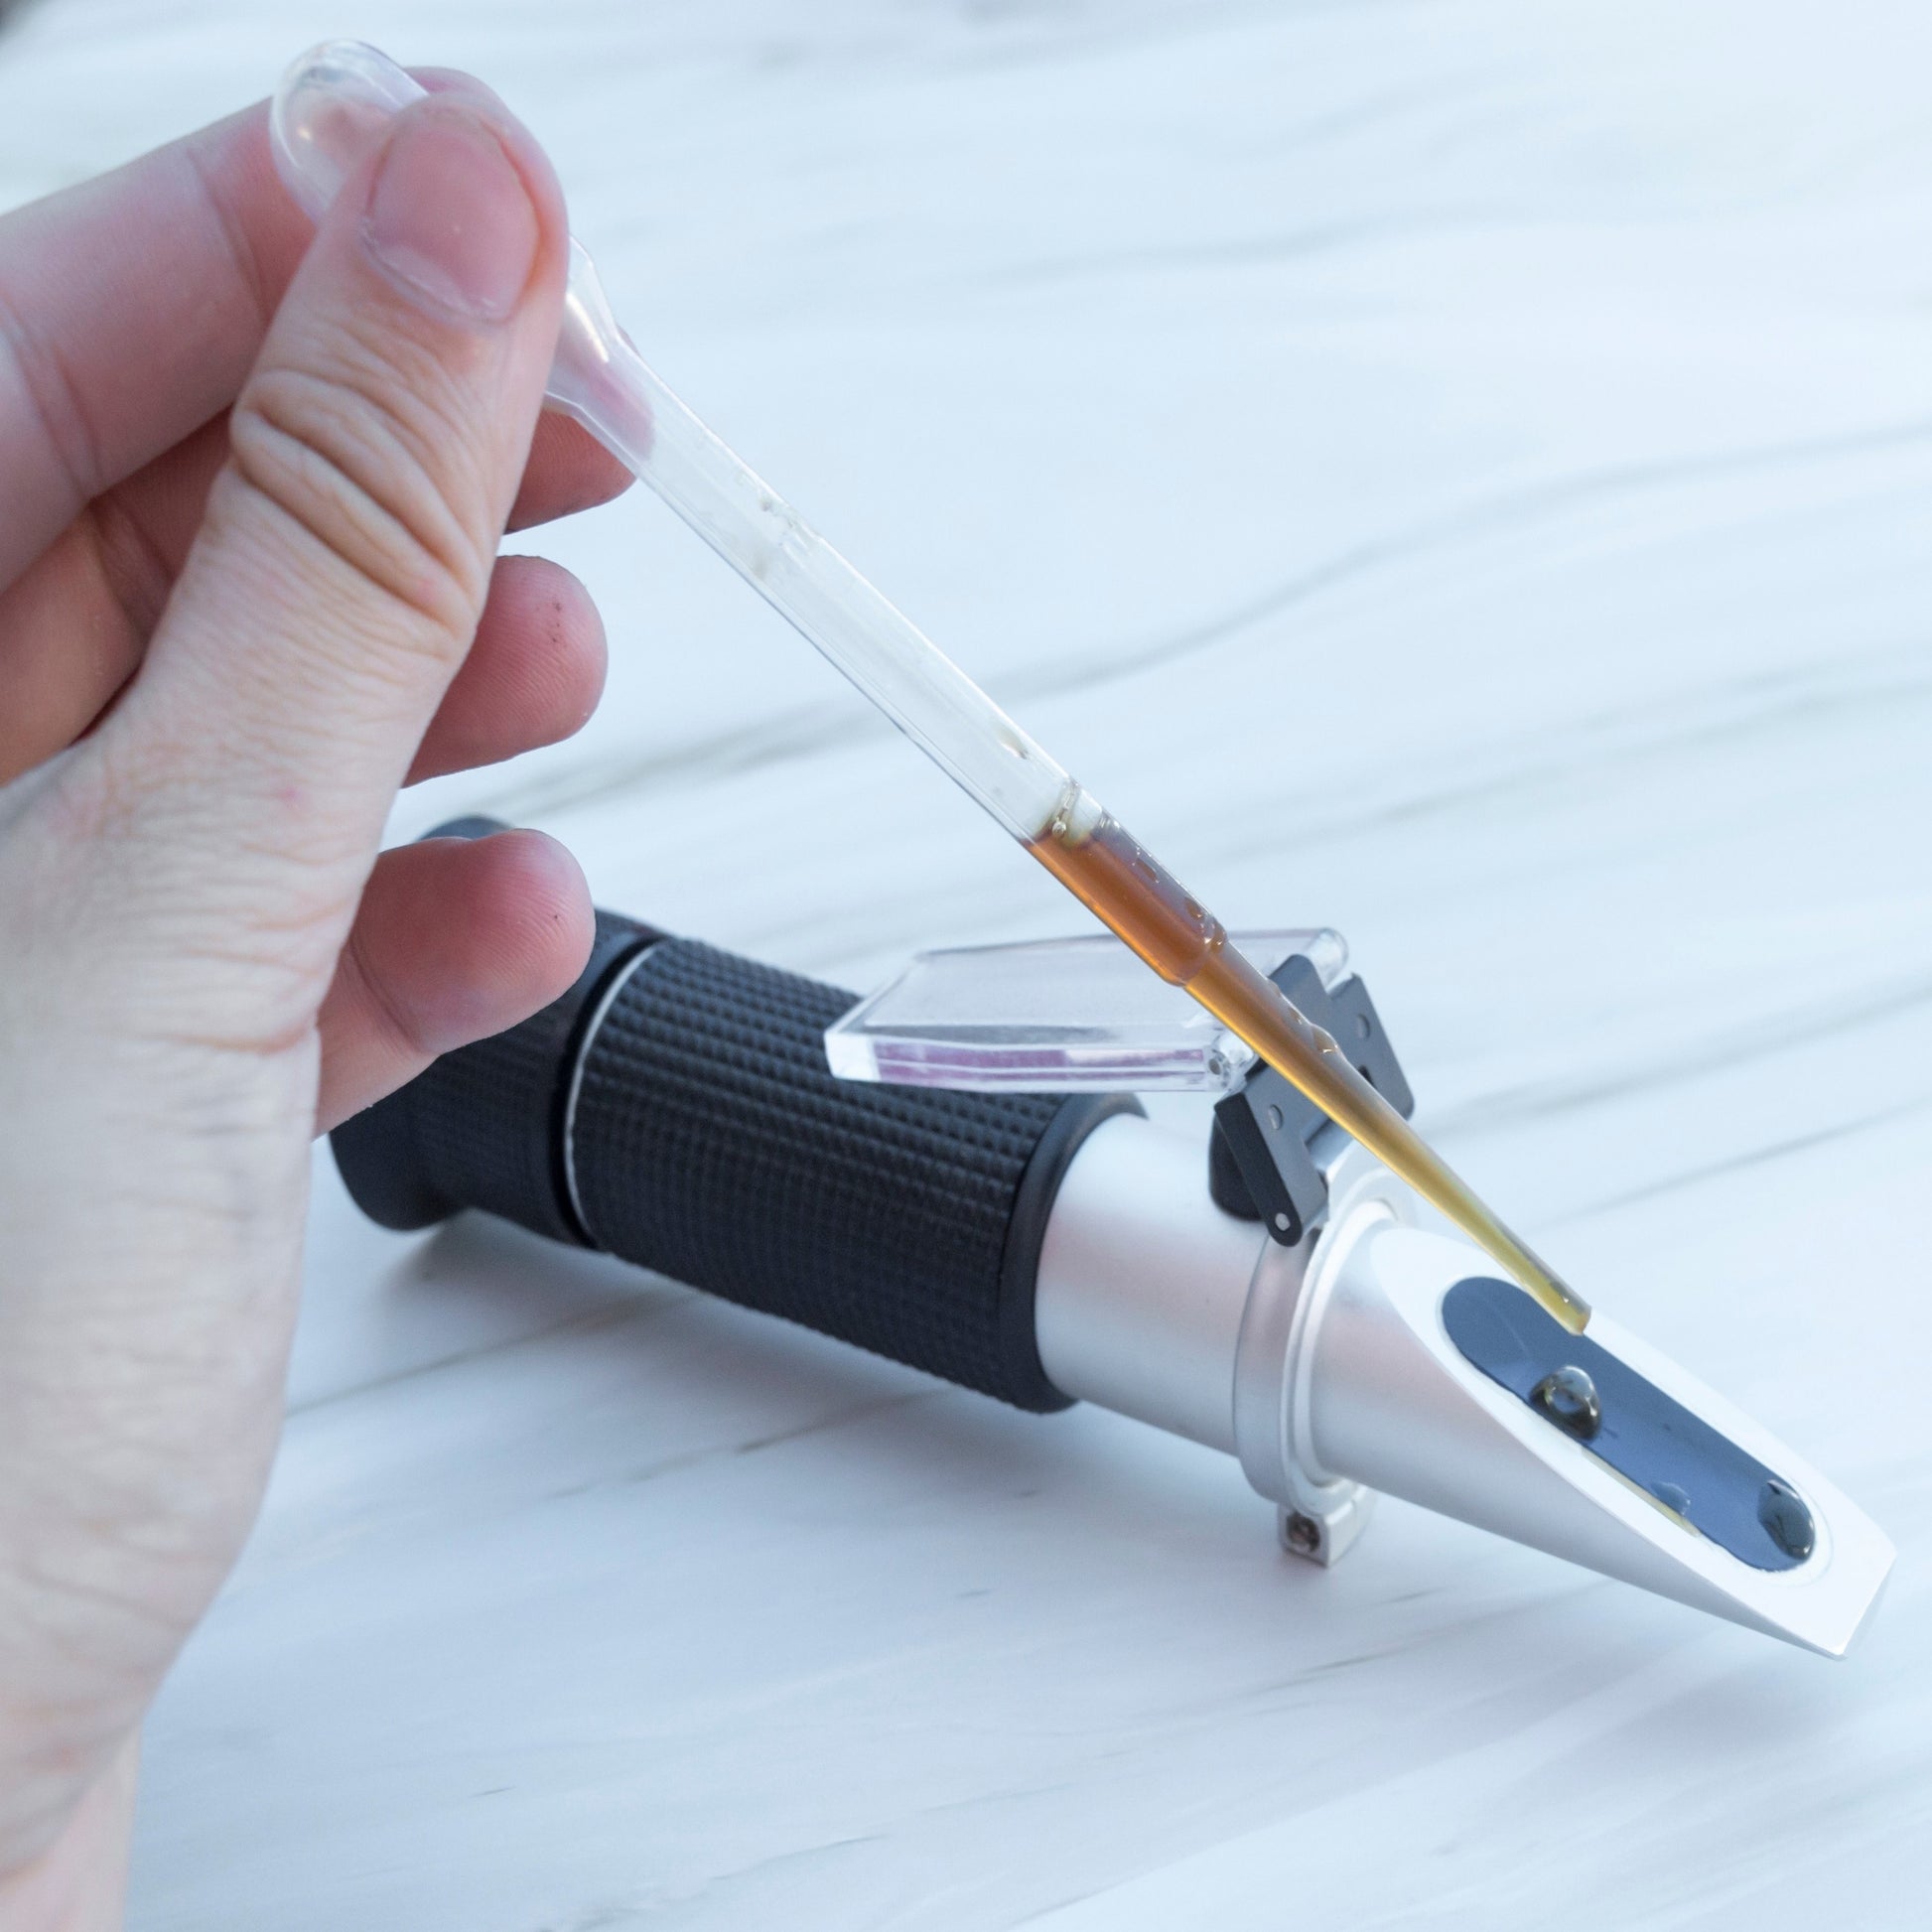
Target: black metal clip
x,y
1259,1163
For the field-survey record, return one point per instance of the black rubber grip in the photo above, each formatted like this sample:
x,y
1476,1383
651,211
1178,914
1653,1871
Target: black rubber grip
x,y
712,1143
675,1107
483,1127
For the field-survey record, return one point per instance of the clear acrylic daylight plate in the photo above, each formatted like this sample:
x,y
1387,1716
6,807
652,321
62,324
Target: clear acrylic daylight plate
x,y
1056,1016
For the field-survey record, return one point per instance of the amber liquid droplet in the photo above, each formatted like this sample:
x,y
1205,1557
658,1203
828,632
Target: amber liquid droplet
x,y
1108,871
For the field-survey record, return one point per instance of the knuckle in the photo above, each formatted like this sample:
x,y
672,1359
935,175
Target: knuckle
x,y
374,481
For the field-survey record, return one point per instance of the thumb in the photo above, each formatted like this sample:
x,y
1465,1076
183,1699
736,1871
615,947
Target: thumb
x,y
345,553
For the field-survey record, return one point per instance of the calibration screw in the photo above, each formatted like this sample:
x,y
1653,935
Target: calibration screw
x,y
1301,1534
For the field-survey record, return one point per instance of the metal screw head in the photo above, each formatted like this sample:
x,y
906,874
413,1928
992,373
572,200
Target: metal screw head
x,y
1275,1116
1301,1534
1569,1398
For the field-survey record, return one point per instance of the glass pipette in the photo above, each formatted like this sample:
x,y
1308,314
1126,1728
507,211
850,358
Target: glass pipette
x,y
328,113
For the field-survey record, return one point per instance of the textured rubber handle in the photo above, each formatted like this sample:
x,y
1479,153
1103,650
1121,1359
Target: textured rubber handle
x,y
675,1108
712,1143
483,1127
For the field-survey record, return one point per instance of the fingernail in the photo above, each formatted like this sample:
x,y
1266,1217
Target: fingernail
x,y
449,217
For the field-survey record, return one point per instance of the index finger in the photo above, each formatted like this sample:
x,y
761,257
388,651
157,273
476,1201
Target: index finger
x,y
131,308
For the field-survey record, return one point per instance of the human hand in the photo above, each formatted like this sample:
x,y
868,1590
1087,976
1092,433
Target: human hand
x,y
249,505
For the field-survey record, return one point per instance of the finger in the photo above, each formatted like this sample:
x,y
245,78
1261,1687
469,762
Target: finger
x,y
342,563
569,471
533,676
74,624
131,308
73,629
456,940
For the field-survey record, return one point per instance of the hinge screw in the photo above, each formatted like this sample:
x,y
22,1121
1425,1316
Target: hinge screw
x,y
1301,1534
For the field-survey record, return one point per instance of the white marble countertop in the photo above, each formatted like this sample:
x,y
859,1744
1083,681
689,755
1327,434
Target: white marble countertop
x,y
1460,472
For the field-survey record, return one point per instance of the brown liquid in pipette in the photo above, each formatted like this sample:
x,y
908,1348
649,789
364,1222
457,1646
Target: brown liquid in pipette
x,y
1147,906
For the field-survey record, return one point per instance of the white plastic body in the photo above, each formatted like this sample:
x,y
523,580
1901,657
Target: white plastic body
x,y
1326,1368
